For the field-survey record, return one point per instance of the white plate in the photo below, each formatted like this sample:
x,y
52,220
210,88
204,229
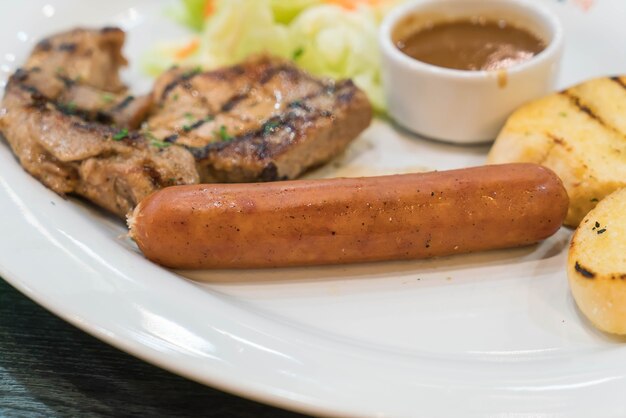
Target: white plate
x,y
493,334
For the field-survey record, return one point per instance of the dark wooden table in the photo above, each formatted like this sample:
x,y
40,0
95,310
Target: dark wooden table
x,y
48,368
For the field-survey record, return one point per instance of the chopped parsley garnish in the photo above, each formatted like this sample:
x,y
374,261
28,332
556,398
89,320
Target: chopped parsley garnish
x,y
69,107
269,126
155,142
159,144
107,97
296,103
188,116
175,97
121,134
594,200
223,134
601,231
563,114
193,71
297,53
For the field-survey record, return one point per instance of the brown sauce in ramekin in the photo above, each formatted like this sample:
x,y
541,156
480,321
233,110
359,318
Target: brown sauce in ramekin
x,y
472,44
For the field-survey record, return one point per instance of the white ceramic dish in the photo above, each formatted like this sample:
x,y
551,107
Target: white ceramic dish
x,y
487,335
465,106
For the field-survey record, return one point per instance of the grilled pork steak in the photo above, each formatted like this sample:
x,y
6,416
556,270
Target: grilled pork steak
x,y
79,70
73,125
261,120
65,145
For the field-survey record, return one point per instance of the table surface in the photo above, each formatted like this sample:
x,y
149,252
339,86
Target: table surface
x,y
49,368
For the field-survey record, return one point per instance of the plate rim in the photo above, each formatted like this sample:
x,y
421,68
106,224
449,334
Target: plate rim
x,y
31,209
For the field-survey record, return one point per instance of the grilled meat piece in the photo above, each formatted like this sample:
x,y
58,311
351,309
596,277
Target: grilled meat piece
x,y
65,146
261,120
83,55
79,70
70,121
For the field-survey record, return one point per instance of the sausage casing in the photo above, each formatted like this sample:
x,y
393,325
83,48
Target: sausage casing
x,y
345,220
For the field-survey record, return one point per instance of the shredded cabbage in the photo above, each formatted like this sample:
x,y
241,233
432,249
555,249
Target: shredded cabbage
x,y
330,38
286,10
191,13
337,43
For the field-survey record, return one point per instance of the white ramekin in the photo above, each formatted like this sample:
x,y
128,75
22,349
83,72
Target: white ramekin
x,y
465,106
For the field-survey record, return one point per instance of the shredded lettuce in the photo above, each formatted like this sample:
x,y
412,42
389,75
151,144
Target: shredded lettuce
x,y
339,44
286,10
330,38
191,14
240,28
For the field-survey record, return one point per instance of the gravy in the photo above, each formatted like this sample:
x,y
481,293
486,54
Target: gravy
x,y
473,44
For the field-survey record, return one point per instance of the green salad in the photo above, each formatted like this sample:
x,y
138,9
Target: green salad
x,y
331,38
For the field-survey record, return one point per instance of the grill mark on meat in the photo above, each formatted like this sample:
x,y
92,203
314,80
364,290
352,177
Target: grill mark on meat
x,y
107,132
325,89
31,89
153,175
68,47
67,82
269,73
233,101
104,131
299,104
123,104
44,45
171,139
41,102
187,85
276,123
197,124
68,109
347,96
285,121
102,117
19,76
288,120
108,29
296,104
226,73
185,77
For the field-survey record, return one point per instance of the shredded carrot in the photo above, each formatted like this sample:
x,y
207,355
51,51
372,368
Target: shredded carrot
x,y
209,8
353,4
187,50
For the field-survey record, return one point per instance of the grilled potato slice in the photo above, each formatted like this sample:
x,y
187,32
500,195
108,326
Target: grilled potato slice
x,y
579,133
596,264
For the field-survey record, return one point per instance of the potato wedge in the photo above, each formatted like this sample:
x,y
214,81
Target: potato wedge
x,y
579,133
596,264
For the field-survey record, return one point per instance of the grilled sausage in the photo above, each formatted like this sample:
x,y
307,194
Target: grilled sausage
x,y
306,222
